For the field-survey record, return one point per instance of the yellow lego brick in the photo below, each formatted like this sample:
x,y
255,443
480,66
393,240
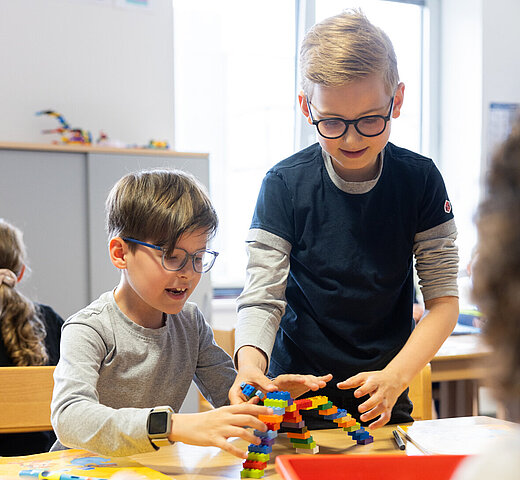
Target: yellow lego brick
x,y
274,402
292,408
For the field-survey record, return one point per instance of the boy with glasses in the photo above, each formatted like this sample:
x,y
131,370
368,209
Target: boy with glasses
x,y
329,285
128,359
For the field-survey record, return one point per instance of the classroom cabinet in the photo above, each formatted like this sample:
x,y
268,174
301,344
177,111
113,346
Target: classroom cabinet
x,y
56,195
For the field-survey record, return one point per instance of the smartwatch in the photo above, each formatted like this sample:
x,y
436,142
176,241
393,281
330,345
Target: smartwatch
x,y
159,426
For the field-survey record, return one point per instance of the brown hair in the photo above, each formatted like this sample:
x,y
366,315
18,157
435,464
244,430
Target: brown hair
x,y
22,330
344,48
496,276
159,206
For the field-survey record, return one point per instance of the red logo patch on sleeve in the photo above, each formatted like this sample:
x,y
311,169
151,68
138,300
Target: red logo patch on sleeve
x,y
447,206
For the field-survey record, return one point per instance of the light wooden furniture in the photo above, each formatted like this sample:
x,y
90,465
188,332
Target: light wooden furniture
x,y
459,366
225,339
184,462
421,394
25,399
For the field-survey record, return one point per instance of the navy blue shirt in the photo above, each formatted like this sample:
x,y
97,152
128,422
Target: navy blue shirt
x,y
350,286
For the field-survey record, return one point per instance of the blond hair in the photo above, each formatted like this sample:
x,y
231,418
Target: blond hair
x,y
344,48
159,206
22,330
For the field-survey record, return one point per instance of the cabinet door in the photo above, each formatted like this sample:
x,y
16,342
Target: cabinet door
x,y
44,194
104,170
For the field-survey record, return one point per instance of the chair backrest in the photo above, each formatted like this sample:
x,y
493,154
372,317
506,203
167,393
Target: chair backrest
x,y
421,394
25,399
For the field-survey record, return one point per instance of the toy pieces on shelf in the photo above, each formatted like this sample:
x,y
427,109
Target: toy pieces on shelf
x,y
158,145
69,135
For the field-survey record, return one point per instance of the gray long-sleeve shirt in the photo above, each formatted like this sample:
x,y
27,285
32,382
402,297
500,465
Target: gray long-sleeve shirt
x,y
112,372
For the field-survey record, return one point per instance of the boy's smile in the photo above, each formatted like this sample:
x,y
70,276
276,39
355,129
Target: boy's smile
x,y
354,156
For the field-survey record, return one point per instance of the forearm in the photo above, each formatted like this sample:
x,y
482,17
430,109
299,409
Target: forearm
x,y
426,339
251,357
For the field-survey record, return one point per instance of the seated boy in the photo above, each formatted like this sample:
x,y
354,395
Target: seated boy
x,y
127,360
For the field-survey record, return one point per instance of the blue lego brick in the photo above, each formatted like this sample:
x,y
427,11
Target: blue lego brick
x,y
278,410
279,395
259,448
334,416
268,434
247,390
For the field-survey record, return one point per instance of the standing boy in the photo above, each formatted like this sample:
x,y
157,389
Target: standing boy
x,y
329,282
128,359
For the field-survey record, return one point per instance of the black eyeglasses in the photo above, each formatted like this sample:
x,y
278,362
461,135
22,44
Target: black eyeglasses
x,y
369,126
202,260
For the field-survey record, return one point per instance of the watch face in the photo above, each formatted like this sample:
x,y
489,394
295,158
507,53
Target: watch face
x,y
158,423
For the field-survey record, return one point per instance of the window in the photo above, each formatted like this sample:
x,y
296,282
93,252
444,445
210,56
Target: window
x,y
236,97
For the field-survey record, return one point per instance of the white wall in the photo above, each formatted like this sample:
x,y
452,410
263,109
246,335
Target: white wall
x,y
102,66
461,112
479,65
501,61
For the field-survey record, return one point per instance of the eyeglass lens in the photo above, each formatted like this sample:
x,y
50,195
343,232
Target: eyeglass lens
x,y
368,126
202,261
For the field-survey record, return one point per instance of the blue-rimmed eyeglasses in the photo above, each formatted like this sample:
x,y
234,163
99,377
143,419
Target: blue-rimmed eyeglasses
x,y
202,260
336,127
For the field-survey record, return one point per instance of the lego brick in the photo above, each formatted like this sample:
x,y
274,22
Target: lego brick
x,y
325,406
259,448
279,395
251,473
307,451
291,408
247,390
294,417
302,440
258,457
272,426
351,428
275,402
329,411
306,446
303,403
267,441
306,434
270,418
251,464
268,434
294,427
366,441
260,394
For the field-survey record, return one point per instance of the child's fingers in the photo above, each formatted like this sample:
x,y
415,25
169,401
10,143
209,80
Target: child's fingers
x,y
381,421
352,382
230,448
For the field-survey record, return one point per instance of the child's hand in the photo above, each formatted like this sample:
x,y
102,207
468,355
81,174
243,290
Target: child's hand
x,y
253,376
383,388
214,427
297,385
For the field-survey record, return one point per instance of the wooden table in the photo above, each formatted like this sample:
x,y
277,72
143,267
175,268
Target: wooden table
x,y
183,462
459,365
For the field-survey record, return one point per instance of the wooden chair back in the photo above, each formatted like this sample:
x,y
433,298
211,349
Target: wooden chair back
x,y
25,399
421,394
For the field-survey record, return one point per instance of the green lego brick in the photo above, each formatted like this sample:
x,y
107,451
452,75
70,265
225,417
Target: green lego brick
x,y
274,402
260,457
251,473
325,406
307,446
302,440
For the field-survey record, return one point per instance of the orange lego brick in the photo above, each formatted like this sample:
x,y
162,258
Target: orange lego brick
x,y
270,418
301,436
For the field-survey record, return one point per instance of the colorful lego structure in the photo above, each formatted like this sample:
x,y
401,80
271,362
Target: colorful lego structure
x,y
286,415
68,135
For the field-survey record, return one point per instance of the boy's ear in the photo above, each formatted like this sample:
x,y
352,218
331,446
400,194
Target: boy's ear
x,y
398,100
302,99
118,249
